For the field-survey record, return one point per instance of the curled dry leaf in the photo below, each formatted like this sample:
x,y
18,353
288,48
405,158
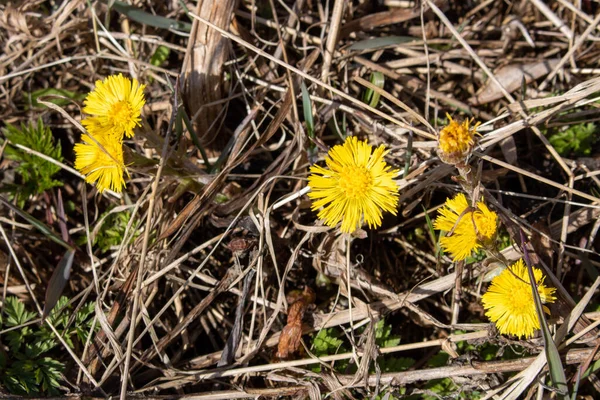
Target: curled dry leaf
x,y
14,21
289,341
511,77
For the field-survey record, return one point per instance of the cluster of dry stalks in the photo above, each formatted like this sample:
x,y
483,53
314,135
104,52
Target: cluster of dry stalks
x,y
196,301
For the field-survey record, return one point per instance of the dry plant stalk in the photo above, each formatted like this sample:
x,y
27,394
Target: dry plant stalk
x,y
204,66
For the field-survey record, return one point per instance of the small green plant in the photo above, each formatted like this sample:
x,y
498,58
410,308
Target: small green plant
x,y
112,231
36,173
445,387
327,342
384,338
330,341
575,140
28,364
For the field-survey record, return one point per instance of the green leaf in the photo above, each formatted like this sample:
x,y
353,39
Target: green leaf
x,y
46,231
326,342
373,44
432,234
576,139
16,313
17,338
23,378
557,372
36,173
160,55
30,366
307,110
396,364
60,314
371,97
143,17
383,335
42,343
112,230
58,281
47,374
60,97
438,360
441,387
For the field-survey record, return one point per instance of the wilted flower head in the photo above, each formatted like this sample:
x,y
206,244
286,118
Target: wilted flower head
x,y
509,300
114,107
456,141
467,229
357,186
103,165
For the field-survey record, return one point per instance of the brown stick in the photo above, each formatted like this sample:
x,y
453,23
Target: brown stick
x,y
574,356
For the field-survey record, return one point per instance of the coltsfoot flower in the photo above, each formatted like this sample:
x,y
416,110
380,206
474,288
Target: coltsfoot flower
x,y
456,141
114,107
103,165
467,230
356,188
509,300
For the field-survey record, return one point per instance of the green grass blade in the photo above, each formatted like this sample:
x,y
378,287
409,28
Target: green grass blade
x,y
143,17
307,108
431,231
557,371
58,281
373,44
182,116
36,223
409,148
371,97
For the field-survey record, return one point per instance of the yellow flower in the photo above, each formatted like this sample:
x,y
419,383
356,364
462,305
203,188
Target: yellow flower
x,y
467,230
509,300
103,165
456,141
115,106
357,186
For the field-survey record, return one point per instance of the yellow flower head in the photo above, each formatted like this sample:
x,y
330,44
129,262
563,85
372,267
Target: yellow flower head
x,y
468,230
115,106
357,186
456,141
101,165
509,301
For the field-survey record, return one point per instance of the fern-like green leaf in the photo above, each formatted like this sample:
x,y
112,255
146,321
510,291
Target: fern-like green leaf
x,y
15,312
36,173
383,335
576,139
326,342
31,366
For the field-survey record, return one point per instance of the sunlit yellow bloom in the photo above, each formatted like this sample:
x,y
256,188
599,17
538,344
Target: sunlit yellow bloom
x,y
356,188
456,140
101,165
467,230
509,300
114,107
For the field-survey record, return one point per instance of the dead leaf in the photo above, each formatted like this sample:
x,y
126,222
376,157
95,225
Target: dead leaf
x,y
511,77
289,341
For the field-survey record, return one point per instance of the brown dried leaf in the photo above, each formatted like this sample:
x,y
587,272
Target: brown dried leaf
x,y
511,77
13,20
289,341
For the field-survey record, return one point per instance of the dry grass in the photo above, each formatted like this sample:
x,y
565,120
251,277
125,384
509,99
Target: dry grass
x,y
193,302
